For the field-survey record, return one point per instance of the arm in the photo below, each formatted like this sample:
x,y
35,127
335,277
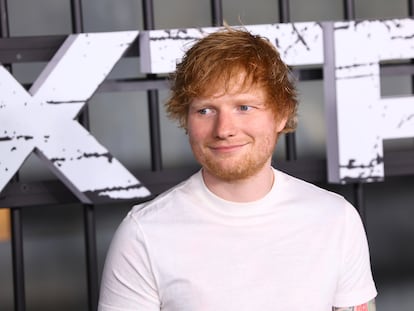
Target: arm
x,y
355,282
128,282
369,306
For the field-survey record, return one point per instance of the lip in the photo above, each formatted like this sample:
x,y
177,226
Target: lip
x,y
227,148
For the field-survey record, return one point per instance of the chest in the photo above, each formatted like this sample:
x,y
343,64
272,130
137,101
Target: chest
x,y
247,268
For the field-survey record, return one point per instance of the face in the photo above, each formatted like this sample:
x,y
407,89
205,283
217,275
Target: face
x,y
233,134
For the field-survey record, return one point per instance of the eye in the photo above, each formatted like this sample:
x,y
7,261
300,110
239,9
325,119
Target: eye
x,y
204,111
245,108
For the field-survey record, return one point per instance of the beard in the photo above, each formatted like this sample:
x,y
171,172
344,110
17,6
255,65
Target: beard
x,y
232,168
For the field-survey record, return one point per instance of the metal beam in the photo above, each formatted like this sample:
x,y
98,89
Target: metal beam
x,y
32,194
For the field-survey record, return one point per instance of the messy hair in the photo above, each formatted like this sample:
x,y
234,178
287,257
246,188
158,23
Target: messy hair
x,y
211,63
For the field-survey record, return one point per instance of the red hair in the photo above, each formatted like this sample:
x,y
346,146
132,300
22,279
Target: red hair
x,y
215,59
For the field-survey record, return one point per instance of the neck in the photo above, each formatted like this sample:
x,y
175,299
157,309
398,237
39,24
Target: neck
x,y
245,190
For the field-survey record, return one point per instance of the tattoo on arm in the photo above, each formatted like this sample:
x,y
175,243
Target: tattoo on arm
x,y
369,306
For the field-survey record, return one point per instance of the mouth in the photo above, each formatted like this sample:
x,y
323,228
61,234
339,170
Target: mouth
x,y
227,148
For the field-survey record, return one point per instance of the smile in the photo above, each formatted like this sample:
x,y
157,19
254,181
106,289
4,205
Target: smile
x,y
227,148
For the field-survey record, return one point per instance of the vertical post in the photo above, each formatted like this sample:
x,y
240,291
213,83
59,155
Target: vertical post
x,y
349,13
4,21
217,12
16,213
77,16
290,138
88,209
153,100
284,11
18,261
77,27
349,9
91,256
359,201
411,14
411,8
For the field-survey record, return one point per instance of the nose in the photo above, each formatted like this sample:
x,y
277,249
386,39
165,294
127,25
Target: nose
x,y
225,125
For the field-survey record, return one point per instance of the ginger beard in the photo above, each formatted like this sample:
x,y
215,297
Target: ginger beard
x,y
231,168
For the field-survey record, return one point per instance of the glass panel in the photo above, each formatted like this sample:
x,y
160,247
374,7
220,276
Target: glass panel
x,y
182,14
176,149
109,15
382,9
119,121
310,135
40,17
315,10
247,12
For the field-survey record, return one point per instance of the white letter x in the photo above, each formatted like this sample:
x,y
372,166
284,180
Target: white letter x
x,y
43,120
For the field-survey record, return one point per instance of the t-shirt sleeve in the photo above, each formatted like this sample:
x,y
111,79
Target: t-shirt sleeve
x,y
355,285
128,282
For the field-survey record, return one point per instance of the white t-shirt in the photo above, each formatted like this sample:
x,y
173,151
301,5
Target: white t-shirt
x,y
298,248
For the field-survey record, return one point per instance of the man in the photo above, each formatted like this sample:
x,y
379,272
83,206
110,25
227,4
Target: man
x,y
238,235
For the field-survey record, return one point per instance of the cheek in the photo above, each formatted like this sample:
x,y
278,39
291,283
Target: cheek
x,y
265,127
268,134
269,142
199,128
196,132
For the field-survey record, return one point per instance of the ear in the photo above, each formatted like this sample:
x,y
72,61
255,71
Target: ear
x,y
281,124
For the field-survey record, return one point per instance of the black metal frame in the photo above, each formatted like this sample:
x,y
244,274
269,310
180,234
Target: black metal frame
x,y
18,195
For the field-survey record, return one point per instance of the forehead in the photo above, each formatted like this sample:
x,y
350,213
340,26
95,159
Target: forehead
x,y
233,96
237,83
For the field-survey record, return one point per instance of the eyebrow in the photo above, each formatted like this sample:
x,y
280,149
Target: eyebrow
x,y
239,97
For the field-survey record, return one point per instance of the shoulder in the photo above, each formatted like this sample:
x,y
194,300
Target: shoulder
x,y
161,209
168,203
298,189
310,199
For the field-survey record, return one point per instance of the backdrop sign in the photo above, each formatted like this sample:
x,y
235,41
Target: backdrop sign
x,y
357,118
43,119
298,44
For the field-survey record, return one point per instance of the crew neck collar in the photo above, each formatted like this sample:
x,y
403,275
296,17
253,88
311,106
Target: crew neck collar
x,y
261,206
